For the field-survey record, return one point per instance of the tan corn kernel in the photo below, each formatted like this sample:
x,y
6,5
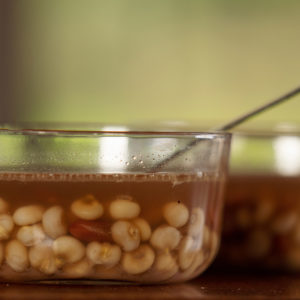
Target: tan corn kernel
x,y
28,215
243,218
6,226
79,269
263,211
144,228
126,235
284,222
53,222
207,236
124,209
42,258
139,260
199,260
68,250
258,244
165,265
31,234
104,254
296,234
87,208
165,237
16,256
1,253
176,214
187,252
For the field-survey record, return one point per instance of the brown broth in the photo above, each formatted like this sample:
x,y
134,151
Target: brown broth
x,y
262,222
150,191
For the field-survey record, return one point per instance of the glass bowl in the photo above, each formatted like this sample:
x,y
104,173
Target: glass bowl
x,y
262,207
109,205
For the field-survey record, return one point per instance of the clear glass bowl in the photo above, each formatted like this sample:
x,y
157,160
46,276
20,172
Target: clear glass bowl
x,y
109,205
262,207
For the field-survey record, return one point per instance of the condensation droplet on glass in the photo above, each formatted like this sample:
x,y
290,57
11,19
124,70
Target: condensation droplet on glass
x,y
141,162
127,163
133,157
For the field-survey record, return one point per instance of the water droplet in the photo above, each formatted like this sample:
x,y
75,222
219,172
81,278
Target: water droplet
x,y
141,162
127,163
133,157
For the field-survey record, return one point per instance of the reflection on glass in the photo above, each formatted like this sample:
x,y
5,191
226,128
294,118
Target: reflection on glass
x,y
287,155
113,153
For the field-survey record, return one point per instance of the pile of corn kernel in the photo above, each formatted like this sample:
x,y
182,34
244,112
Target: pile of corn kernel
x,y
40,238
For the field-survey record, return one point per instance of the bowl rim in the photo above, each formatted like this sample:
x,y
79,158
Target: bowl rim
x,y
48,129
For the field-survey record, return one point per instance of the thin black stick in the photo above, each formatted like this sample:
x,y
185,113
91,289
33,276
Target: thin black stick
x,y
233,123
258,110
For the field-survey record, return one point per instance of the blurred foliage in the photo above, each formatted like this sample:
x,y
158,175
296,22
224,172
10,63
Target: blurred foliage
x,y
132,60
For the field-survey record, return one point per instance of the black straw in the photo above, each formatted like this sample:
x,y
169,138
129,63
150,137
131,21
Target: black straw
x,y
258,110
234,123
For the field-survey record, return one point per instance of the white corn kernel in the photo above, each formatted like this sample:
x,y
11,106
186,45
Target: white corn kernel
x,y
27,215
3,206
6,226
79,269
103,254
144,228
87,208
42,258
165,238
176,214
124,209
53,222
126,235
139,260
165,265
68,250
16,255
195,226
31,235
187,252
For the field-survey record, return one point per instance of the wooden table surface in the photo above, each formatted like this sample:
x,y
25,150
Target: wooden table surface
x,y
211,285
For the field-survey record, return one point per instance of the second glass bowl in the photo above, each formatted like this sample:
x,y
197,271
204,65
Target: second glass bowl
x,y
262,207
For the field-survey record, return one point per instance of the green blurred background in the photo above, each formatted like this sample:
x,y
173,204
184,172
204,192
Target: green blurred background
x,y
121,61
